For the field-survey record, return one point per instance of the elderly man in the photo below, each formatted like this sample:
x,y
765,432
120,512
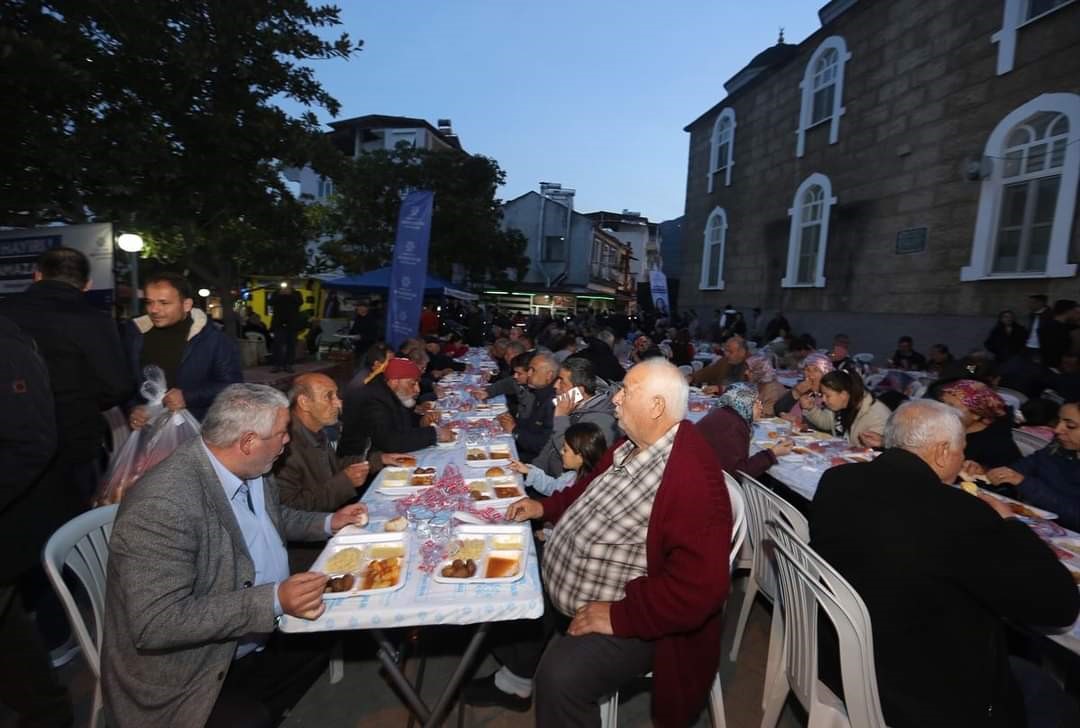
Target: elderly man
x,y
198,360
940,571
380,415
586,404
637,564
533,430
731,368
198,577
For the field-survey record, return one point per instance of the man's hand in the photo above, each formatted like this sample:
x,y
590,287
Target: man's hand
x,y
526,509
394,458
425,407
444,434
564,405
871,439
479,394
808,402
1005,476
712,389
174,400
301,595
357,473
431,418
970,467
139,417
593,618
506,421
354,514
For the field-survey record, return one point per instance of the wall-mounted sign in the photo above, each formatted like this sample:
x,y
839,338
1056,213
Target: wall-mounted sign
x,y
911,240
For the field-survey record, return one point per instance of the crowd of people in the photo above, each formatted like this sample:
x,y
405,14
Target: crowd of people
x,y
627,497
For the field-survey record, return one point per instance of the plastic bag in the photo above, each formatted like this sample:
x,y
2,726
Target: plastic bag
x,y
163,433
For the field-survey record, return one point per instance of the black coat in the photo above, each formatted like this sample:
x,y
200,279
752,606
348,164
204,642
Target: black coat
x,y
29,497
87,369
1004,345
535,428
374,415
939,572
605,364
1054,342
994,446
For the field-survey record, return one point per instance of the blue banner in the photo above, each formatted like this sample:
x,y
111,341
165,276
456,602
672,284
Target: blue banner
x,y
408,273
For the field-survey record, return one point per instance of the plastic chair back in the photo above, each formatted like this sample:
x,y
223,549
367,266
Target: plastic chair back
x,y
686,369
807,581
762,506
1028,442
697,365
738,517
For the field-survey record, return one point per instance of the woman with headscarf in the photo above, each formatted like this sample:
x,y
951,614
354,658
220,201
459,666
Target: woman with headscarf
x,y
814,367
729,426
760,373
986,422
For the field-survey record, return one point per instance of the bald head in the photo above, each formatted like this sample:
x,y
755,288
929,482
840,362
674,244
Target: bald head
x,y
313,399
652,400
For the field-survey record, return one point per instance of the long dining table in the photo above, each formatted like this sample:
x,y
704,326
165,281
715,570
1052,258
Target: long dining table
x,y
423,600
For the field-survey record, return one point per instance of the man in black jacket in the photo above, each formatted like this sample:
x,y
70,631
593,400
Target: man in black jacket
x,y
380,415
27,517
533,430
285,325
81,347
599,351
940,571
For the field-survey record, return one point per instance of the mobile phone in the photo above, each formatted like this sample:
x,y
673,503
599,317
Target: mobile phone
x,y
574,395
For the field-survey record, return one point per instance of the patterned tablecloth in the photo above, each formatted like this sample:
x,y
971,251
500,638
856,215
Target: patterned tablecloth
x,y
422,600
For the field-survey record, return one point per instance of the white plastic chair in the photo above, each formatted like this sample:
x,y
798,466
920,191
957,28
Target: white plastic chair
x,y
864,358
609,709
807,582
261,341
763,505
1028,442
82,545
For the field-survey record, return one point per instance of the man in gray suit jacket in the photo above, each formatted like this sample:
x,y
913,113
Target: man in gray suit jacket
x,y
198,577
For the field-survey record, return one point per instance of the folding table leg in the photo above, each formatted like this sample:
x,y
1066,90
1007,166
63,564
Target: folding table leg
x,y
388,656
452,685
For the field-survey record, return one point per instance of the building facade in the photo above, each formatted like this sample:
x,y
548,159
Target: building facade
x,y
909,168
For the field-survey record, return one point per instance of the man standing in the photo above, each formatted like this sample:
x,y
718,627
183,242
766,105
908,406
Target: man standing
x,y
198,576
364,327
1055,333
1038,313
587,405
380,415
82,350
27,518
637,565
731,368
285,325
939,594
533,430
198,360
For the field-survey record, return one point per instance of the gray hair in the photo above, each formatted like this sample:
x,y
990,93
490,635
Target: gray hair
x,y
239,409
582,373
546,359
663,379
921,423
606,336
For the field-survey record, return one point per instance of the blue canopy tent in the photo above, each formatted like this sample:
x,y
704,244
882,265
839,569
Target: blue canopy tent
x,y
379,280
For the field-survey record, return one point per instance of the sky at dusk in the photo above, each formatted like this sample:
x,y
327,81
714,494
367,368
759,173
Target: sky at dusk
x,y
593,94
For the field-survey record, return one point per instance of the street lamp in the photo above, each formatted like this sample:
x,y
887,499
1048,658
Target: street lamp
x,y
204,292
131,244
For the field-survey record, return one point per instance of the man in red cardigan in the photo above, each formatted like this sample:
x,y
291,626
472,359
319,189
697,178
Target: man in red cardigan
x,y
638,561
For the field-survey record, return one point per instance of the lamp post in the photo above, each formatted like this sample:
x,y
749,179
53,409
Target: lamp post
x,y
131,244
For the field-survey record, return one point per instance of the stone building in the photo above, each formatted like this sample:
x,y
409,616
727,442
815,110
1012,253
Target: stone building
x,y
909,168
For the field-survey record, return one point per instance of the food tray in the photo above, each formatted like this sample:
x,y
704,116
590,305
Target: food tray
x,y
497,542
487,461
486,409
1022,509
495,491
368,544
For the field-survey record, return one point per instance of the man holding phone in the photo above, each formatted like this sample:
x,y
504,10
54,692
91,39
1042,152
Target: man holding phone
x,y
578,400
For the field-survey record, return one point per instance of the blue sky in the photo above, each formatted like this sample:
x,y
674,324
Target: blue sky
x,y
593,94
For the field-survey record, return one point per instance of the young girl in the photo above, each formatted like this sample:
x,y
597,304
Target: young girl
x,y
583,446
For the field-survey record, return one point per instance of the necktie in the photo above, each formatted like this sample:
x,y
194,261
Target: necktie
x,y
246,490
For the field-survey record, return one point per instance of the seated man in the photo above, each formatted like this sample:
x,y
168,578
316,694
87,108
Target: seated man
x,y
940,571
198,577
533,430
905,357
380,415
732,368
588,406
637,566
519,398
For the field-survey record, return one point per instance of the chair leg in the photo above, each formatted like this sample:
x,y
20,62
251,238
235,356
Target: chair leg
x,y
337,662
773,664
744,615
716,703
774,701
96,706
609,712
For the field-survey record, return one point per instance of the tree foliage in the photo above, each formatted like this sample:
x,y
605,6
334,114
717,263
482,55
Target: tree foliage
x,y
362,216
163,116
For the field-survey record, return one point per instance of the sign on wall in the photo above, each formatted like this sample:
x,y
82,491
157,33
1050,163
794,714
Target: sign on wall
x,y
19,249
911,240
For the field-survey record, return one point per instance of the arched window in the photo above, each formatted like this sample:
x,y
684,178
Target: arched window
x,y
722,149
809,233
1027,202
712,257
823,90
1016,14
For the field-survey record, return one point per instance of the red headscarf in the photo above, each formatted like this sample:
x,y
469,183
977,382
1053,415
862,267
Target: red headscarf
x,y
978,398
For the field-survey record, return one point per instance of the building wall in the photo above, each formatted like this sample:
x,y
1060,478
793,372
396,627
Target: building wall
x,y
523,213
921,97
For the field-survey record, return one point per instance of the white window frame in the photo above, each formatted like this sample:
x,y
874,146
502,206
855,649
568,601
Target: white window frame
x,y
1014,17
715,165
993,187
806,112
718,214
795,236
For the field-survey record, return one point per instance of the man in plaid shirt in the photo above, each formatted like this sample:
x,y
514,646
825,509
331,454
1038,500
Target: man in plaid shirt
x,y
638,561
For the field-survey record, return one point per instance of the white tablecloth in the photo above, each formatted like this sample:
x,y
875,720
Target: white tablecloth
x,y
423,601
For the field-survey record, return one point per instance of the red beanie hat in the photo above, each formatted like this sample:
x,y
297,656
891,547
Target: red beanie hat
x,y
401,369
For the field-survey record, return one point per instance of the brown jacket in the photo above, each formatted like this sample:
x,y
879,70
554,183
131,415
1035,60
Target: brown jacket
x,y
309,474
720,372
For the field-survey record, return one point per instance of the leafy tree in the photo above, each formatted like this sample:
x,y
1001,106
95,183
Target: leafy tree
x,y
163,117
361,220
